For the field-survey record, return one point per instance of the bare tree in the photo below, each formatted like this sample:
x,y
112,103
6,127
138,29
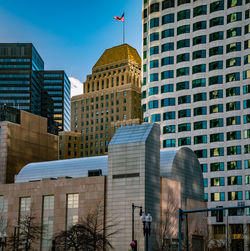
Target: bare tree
x,y
89,234
28,231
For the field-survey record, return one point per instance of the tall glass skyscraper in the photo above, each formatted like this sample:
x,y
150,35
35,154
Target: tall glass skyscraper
x,y
25,85
196,84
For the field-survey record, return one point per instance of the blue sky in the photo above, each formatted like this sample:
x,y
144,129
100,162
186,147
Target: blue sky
x,y
70,35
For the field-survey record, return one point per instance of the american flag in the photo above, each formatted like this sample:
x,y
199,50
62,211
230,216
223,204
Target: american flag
x,y
119,18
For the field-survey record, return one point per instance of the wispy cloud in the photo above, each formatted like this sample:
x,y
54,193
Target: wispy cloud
x,y
76,86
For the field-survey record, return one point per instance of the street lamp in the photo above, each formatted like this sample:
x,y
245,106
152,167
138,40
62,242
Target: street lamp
x,y
146,220
3,238
133,243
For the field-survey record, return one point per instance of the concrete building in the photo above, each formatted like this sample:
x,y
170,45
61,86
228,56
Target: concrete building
x,y
196,86
111,94
159,182
25,85
23,139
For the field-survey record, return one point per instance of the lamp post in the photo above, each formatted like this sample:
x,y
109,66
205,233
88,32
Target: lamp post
x,y
16,237
133,244
3,238
146,220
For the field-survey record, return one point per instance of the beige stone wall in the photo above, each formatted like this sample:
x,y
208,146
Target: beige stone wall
x,y
91,192
28,142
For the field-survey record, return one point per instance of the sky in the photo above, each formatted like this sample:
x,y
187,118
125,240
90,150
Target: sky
x,y
70,35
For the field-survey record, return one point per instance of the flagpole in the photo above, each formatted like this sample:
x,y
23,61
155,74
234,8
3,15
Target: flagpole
x,y
124,28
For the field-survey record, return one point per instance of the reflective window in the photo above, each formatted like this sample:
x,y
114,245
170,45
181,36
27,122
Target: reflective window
x,y
217,166
184,14
169,129
200,111
200,125
199,40
167,74
201,82
216,152
167,61
198,68
233,120
167,88
199,54
233,165
167,33
167,47
201,25
183,29
234,17
184,113
216,6
184,141
169,18
169,143
234,47
237,195
184,127
200,10
216,36
234,32
182,86
216,137
233,150
182,57
182,71
168,115
215,65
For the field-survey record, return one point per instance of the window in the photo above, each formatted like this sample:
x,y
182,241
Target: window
x,y
167,33
153,77
233,150
246,104
216,21
199,54
233,106
167,88
168,4
219,196
234,32
25,203
216,94
246,74
154,64
247,59
247,29
167,61
216,137
216,36
216,152
184,99
233,120
167,74
168,115
233,165
184,141
199,25
233,62
200,97
232,3
166,19
199,40
216,6
167,47
246,149
182,71
247,44
183,29
168,129
204,168
154,22
200,125
153,104
234,17
201,153
153,91
247,164
154,50
233,77
184,113
205,182
246,118
167,102
217,166
246,90
247,179
234,47
200,10
233,91
247,195
200,111
235,195
216,51
184,127
154,36
184,14
199,68
182,57
154,7
155,117
247,14
169,143
183,43
201,82
216,65
200,139
180,2
182,86
218,181
246,134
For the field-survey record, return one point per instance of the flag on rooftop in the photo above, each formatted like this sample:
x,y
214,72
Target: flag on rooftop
x,y
119,18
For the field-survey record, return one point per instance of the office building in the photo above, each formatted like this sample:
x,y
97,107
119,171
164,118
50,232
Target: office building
x,y
59,193
111,94
196,86
22,85
23,139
